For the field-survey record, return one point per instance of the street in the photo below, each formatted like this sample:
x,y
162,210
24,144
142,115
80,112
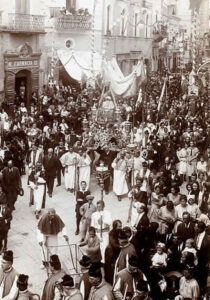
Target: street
x,y
22,235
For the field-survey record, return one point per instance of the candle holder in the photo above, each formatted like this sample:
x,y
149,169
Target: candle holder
x,y
102,173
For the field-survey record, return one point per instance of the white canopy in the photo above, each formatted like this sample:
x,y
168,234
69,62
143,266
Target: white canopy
x,y
78,63
78,66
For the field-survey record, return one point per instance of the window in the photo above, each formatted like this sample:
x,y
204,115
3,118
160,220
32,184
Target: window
x,y
123,22
135,24
22,6
146,26
108,20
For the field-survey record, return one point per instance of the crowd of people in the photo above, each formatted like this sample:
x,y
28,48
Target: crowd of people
x,y
157,158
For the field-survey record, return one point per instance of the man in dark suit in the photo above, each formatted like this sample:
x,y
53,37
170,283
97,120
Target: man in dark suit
x,y
140,228
59,151
186,230
51,165
11,183
107,156
80,200
167,237
202,241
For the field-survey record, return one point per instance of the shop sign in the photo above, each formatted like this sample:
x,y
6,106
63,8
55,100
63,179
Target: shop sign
x,y
22,63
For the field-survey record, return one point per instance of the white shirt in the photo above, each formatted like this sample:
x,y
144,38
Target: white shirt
x,y
96,217
199,240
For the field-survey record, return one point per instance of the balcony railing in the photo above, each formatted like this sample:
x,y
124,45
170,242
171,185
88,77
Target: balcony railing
x,y
69,22
26,23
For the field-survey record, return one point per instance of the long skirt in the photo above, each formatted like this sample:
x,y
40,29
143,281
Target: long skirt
x,y
39,196
120,186
69,177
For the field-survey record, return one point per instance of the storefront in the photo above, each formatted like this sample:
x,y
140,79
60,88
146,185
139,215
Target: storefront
x,y
21,74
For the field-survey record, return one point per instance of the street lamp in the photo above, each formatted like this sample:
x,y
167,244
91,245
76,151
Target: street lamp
x,y
102,173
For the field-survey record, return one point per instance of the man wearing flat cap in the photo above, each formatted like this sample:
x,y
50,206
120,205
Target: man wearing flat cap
x,y
57,273
86,211
66,289
49,226
101,290
8,277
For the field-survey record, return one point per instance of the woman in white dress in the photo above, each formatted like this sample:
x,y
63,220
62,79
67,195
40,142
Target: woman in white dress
x,y
182,156
120,166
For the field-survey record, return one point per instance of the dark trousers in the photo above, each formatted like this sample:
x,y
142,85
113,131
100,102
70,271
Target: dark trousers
x,y
3,241
59,175
50,183
78,219
11,198
107,184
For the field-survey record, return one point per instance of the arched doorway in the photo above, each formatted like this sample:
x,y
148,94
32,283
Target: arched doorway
x,y
23,86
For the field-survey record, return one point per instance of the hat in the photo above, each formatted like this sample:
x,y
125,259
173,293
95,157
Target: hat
x,y
95,271
67,280
89,197
8,256
133,261
54,258
22,280
122,235
85,261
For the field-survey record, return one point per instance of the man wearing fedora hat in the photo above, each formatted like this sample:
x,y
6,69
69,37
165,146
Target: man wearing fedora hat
x,y
57,273
8,277
66,289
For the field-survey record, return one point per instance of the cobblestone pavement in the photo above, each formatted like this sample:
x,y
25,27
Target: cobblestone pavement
x,y
22,236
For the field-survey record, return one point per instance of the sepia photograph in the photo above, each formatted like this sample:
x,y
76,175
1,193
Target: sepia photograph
x,y
104,149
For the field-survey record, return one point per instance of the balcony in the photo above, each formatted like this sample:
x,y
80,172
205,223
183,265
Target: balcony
x,y
25,23
73,22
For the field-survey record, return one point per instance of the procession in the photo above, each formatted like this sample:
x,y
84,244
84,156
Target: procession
x,y
104,173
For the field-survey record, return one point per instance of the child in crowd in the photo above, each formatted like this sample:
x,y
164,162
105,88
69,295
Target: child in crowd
x,y
159,260
190,247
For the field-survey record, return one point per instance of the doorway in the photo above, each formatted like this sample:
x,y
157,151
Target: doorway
x,y
23,87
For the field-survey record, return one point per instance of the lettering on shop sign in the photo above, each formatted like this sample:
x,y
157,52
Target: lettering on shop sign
x,y
23,63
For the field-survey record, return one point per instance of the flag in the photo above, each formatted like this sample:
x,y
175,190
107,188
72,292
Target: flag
x,y
195,4
162,94
192,77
